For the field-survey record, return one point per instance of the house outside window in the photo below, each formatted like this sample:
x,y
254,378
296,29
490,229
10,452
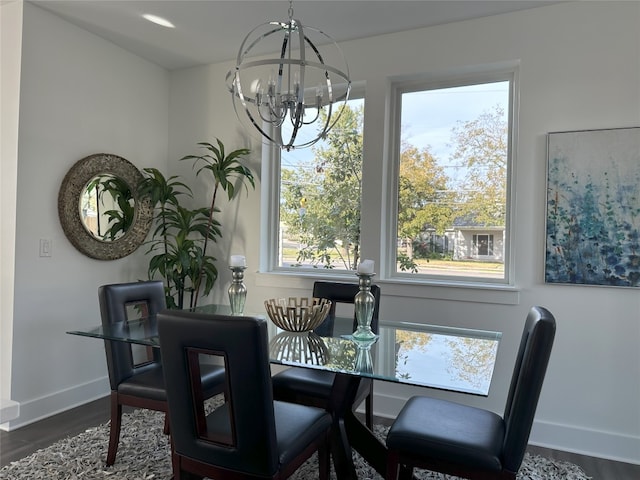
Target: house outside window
x,y
452,149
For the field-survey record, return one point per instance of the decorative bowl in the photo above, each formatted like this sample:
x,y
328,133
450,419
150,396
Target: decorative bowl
x,y
297,314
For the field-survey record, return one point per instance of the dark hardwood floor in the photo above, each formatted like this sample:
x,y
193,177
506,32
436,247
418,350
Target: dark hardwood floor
x,y
26,440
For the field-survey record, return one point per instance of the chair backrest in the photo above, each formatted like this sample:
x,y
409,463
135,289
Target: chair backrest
x,y
526,384
117,301
343,293
241,434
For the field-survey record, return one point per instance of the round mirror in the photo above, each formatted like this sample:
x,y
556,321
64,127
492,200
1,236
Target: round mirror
x,y
99,209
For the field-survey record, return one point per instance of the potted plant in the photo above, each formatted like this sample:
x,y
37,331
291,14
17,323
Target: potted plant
x,y
181,237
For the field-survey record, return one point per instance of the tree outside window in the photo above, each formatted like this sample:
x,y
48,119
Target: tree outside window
x,y
320,198
452,180
452,183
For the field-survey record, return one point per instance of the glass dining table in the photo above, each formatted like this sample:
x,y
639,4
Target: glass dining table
x,y
436,357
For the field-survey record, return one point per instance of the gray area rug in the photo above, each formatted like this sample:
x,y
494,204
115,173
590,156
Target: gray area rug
x,y
144,454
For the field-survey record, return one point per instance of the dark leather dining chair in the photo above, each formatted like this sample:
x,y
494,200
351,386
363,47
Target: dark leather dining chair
x,y
135,371
249,436
470,442
313,387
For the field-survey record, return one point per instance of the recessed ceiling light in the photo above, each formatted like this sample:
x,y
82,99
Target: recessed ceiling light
x,y
158,20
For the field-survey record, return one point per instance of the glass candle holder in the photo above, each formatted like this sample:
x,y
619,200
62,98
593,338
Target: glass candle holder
x,y
364,302
237,290
364,359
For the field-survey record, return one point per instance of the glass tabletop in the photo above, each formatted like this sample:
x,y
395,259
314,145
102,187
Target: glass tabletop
x,y
446,358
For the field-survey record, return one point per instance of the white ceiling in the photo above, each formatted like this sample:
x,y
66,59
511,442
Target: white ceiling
x,y
210,31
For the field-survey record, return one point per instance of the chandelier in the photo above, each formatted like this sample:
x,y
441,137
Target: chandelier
x,y
293,99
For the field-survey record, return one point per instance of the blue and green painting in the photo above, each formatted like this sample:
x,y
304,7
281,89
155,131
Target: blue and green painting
x,y
593,208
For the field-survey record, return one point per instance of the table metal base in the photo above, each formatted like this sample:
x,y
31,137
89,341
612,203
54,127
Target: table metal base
x,y
349,432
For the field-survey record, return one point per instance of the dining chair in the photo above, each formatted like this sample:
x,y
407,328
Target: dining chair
x,y
469,442
313,387
249,436
135,371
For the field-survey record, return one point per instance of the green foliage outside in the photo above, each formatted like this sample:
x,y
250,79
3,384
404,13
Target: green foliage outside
x,y
320,207
482,148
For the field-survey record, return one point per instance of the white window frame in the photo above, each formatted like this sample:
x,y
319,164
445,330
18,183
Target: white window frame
x,y
401,86
396,284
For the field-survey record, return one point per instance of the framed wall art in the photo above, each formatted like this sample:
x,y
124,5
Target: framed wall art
x,y
593,208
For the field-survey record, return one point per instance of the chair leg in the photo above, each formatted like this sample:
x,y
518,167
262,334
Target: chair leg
x,y
392,466
114,429
165,430
324,459
406,473
177,470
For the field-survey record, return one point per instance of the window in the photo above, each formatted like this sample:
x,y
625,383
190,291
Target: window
x,y
447,192
452,180
319,199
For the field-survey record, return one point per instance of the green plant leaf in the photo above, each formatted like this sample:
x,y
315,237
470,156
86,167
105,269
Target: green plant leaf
x,y
180,237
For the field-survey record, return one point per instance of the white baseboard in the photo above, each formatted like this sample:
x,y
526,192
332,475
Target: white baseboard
x,y
607,445
9,410
594,443
57,402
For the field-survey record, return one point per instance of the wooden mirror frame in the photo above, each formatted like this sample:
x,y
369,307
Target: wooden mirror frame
x,y
71,190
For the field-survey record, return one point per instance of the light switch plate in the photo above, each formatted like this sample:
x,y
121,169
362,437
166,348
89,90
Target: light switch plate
x,y
45,247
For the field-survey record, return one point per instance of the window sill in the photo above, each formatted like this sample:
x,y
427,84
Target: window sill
x,y
455,291
295,279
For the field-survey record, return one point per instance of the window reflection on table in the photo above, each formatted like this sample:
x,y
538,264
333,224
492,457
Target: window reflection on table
x,y
446,358
446,361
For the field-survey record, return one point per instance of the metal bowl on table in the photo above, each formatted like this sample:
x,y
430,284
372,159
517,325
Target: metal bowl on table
x,y
297,314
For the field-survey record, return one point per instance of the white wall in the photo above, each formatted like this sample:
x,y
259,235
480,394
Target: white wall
x,y
79,95
10,47
579,69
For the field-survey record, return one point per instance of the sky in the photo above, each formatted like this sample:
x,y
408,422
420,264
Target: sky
x,y
428,117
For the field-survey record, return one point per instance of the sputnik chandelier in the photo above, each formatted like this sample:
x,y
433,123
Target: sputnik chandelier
x,y
293,99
